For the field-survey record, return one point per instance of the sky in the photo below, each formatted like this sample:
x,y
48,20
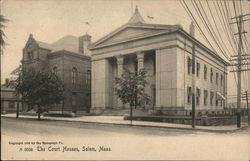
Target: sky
x,y
50,20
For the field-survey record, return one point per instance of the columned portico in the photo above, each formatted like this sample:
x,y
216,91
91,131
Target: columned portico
x,y
163,51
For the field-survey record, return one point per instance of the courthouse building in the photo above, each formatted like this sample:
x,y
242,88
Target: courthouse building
x,y
69,58
165,51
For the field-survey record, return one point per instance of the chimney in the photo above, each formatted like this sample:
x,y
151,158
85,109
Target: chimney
x,y
84,42
191,29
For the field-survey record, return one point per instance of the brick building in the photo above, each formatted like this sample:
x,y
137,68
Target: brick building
x,y
9,99
69,58
165,51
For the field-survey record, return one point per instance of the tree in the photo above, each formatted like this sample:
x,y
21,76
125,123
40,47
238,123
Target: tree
x,y
2,26
39,89
2,35
130,88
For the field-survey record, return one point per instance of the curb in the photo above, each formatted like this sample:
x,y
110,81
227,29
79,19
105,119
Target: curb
x,y
134,125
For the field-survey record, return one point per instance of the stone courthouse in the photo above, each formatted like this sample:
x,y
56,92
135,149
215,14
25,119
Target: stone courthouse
x,y
165,51
69,58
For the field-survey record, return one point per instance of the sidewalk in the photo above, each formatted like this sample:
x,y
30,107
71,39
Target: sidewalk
x,y
118,120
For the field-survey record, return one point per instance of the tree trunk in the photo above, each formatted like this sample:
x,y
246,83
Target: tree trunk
x,y
131,115
17,110
39,115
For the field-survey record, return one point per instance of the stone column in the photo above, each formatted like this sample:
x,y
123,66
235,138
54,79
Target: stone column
x,y
140,60
119,61
140,65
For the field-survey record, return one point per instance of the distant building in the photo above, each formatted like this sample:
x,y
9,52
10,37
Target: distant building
x,y
165,51
9,99
70,59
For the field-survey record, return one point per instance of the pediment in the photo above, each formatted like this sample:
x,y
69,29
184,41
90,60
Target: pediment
x,y
128,33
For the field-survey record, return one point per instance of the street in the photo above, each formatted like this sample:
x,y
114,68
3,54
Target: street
x,y
74,140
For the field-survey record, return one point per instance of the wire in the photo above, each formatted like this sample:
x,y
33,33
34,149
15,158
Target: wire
x,y
195,22
214,37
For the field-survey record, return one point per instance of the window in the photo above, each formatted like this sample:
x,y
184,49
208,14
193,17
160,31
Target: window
x,y
217,100
217,78
30,55
55,70
205,97
11,104
198,94
221,80
211,75
197,69
189,95
189,65
211,98
205,72
74,75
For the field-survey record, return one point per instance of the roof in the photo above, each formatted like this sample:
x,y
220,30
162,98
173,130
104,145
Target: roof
x,y
69,53
68,42
44,45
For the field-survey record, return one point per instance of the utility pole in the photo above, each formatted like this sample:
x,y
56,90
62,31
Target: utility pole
x,y
239,74
239,21
193,86
248,114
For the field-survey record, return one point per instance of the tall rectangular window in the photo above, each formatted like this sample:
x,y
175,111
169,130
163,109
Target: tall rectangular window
x,y
189,95
205,72
217,100
74,75
30,55
217,78
189,65
197,69
205,97
198,94
211,75
211,98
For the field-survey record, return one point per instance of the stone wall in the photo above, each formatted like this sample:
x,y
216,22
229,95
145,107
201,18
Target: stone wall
x,y
100,85
166,78
185,79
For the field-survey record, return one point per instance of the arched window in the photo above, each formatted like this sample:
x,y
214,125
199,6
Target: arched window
x,y
74,75
55,70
